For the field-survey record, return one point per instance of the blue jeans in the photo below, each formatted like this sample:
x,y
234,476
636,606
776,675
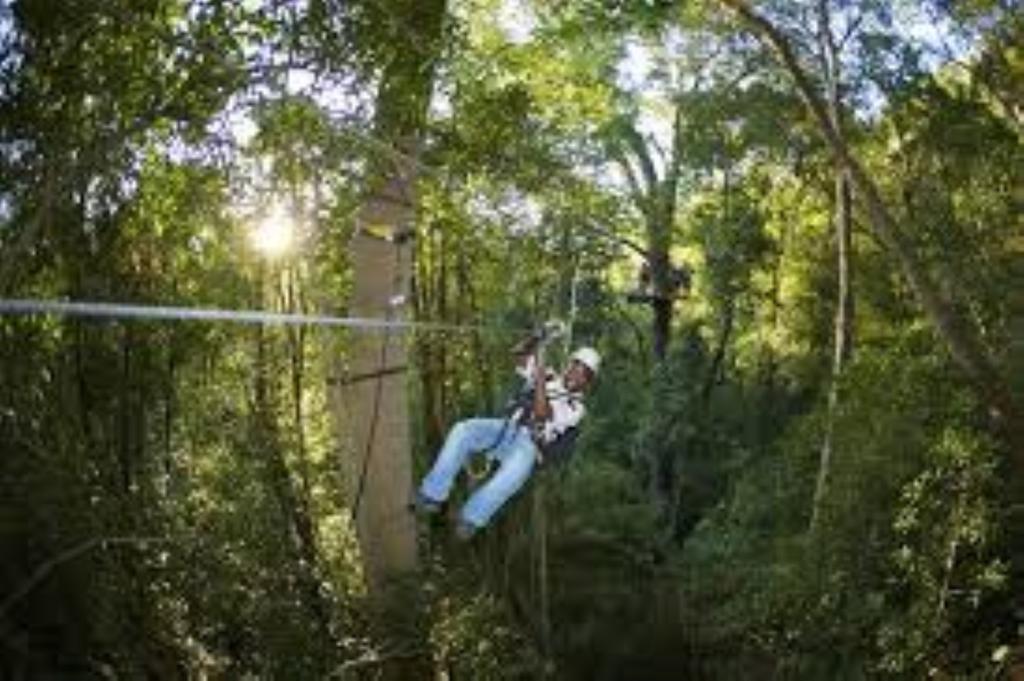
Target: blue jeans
x,y
515,452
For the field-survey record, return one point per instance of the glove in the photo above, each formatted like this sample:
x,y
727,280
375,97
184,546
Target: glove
x,y
552,329
528,345
549,331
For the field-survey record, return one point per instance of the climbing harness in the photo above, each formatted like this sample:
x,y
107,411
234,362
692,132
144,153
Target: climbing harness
x,y
518,413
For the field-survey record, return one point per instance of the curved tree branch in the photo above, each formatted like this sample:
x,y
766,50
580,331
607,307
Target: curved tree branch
x,y
44,569
961,338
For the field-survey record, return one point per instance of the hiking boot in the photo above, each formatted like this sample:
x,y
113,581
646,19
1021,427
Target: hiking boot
x,y
425,505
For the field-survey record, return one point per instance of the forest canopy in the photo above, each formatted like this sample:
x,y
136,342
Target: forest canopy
x,y
792,230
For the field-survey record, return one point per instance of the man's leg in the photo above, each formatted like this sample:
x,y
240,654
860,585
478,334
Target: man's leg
x,y
516,465
465,438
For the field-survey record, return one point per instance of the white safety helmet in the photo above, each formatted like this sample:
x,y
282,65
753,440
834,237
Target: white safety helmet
x,y
588,357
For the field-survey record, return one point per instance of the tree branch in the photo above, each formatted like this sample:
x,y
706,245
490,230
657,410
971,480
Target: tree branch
x,y
45,568
960,336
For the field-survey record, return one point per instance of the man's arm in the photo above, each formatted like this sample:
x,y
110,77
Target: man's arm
x,y
524,352
541,406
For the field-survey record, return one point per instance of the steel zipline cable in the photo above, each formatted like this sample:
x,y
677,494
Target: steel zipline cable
x,y
107,310
387,326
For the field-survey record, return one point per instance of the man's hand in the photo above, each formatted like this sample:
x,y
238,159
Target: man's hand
x,y
539,372
527,346
541,406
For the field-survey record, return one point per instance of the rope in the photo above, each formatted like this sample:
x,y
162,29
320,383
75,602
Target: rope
x,y
372,434
518,410
130,311
397,299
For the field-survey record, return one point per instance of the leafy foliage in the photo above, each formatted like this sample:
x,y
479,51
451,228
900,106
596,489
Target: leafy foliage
x,y
173,501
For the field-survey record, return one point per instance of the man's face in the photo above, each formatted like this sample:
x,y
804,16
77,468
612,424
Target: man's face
x,y
577,376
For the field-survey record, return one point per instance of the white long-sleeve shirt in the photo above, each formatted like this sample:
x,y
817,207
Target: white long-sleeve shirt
x,y
566,407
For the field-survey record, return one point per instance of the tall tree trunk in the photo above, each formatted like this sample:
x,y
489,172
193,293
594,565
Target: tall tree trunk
x,y
40,223
661,306
960,336
539,525
300,529
843,222
376,412
715,371
729,296
842,339
655,198
377,416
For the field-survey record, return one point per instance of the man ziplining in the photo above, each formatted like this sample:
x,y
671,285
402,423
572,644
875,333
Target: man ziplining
x,y
541,424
